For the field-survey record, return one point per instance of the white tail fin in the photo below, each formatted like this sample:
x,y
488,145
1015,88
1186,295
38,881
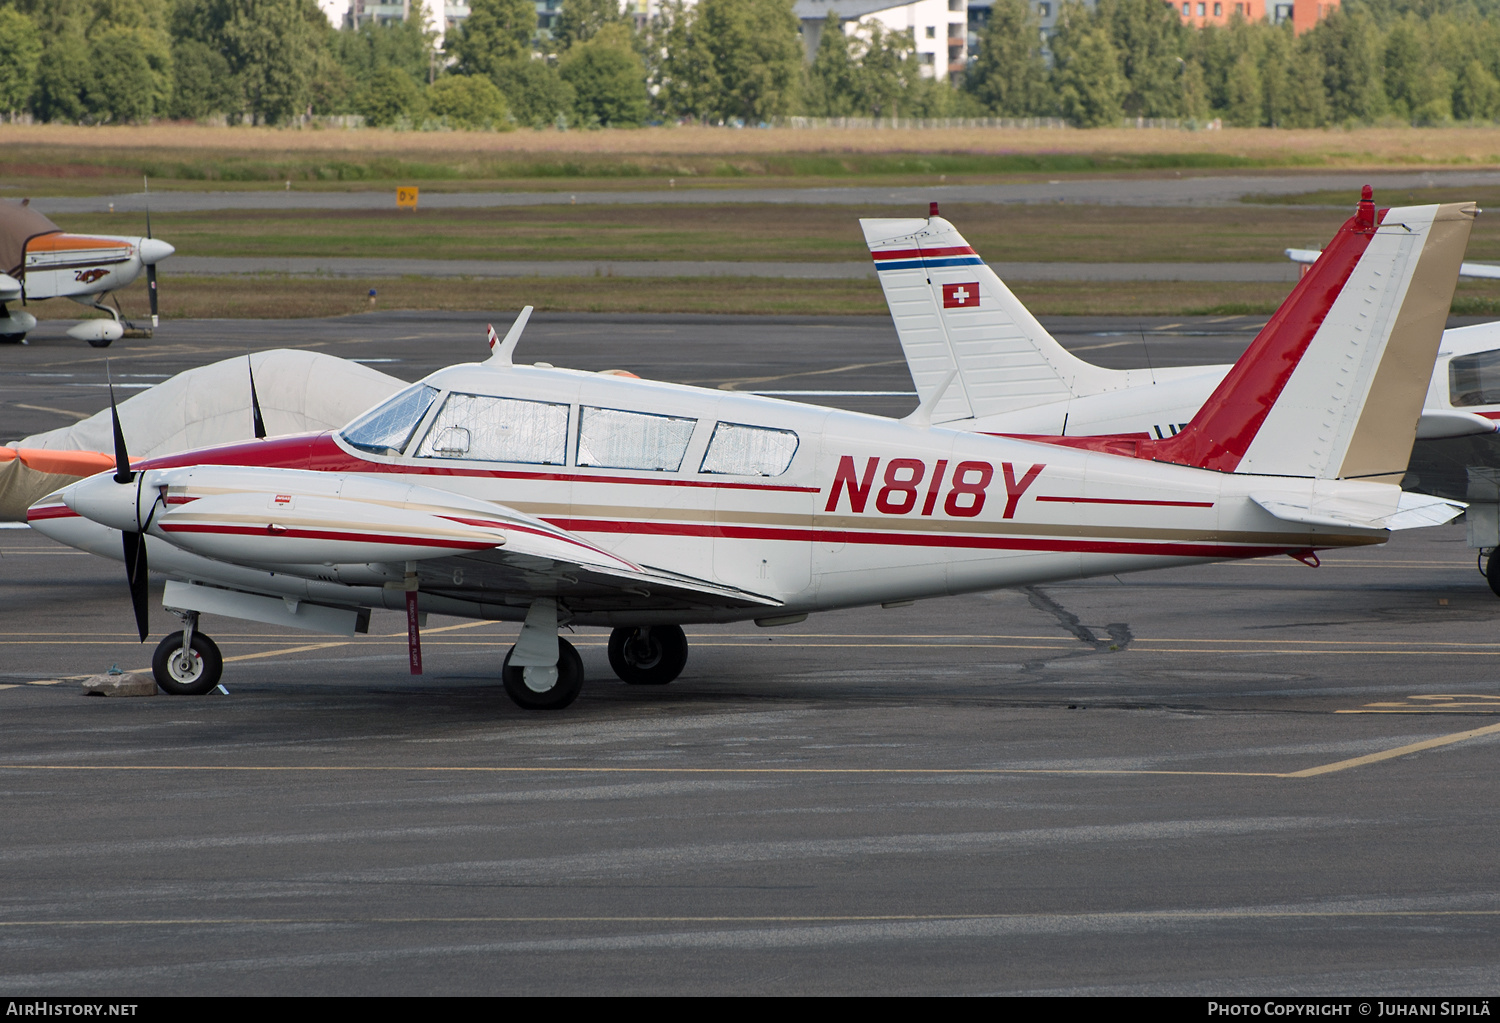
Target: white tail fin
x,y
1349,408
952,312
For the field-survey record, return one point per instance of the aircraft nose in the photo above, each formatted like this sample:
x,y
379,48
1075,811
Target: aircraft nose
x,y
154,250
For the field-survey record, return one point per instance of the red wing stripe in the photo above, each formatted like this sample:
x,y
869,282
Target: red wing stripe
x,y
328,534
562,538
1126,501
1182,550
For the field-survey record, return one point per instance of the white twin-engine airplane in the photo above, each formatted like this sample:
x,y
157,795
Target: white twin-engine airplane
x,y
954,315
553,496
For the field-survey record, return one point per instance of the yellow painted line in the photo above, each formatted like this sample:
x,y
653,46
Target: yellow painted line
x,y
15,685
288,650
460,625
47,681
1399,751
1163,915
1420,710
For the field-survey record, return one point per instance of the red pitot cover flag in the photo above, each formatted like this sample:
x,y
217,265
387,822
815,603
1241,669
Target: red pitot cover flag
x,y
961,296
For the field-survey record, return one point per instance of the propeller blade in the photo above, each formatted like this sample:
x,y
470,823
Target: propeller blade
x,y
259,422
151,290
138,573
122,456
146,189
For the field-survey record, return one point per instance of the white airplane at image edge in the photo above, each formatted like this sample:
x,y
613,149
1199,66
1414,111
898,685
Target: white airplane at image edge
x,y
1014,378
39,260
553,496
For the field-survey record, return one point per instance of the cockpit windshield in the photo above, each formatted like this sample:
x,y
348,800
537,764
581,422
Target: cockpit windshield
x,y
387,429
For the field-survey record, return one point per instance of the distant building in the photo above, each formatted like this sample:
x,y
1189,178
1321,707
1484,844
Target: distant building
x,y
940,28
1303,14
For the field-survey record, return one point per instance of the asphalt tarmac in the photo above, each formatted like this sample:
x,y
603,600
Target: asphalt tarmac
x,y
1258,778
299,266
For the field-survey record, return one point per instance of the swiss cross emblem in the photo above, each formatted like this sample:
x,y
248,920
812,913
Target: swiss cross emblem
x,y
961,296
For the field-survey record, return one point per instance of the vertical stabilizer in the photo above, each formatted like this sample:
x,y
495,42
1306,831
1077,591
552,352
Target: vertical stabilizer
x,y
1333,390
953,313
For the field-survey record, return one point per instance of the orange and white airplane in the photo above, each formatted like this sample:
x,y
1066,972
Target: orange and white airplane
x,y
953,314
552,496
40,260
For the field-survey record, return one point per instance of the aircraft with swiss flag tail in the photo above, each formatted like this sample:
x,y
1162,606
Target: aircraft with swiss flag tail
x,y
1012,376
552,497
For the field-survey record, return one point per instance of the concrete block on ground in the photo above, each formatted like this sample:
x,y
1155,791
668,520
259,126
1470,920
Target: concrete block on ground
x,y
141,683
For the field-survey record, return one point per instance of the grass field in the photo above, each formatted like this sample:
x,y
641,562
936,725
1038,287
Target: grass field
x,y
68,159
741,232
1037,233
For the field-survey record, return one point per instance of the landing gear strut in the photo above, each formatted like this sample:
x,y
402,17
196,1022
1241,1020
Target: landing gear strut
x,y
648,655
187,663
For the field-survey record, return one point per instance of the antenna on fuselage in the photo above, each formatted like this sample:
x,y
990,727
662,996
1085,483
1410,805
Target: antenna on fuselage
x,y
501,351
923,414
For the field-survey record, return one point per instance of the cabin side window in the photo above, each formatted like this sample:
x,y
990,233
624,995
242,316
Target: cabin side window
x,y
739,450
478,427
611,439
387,428
1474,379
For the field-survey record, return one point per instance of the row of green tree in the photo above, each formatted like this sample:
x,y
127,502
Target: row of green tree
x,y
272,61
1423,62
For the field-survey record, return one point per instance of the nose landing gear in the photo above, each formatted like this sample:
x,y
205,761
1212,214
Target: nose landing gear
x,y
187,663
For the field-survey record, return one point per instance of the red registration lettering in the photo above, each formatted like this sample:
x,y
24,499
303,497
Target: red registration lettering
x,y
899,496
1014,489
972,489
859,490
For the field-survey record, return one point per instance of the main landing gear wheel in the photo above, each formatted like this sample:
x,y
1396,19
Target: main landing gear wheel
x,y
179,674
100,342
651,655
1492,572
557,692
12,339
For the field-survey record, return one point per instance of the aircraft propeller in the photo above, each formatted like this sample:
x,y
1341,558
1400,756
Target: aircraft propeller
x,y
258,421
151,266
137,571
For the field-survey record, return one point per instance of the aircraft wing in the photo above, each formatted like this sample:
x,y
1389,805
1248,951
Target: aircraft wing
x,y
468,549
1485,270
515,574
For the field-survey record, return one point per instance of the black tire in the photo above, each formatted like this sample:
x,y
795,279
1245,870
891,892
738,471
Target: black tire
x,y
100,342
1492,573
204,674
12,339
563,692
653,659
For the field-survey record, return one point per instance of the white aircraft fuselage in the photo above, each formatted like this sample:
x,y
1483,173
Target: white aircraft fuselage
x,y
869,510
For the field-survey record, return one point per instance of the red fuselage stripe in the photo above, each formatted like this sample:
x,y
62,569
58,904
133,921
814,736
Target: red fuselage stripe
x,y
1121,500
1047,544
51,511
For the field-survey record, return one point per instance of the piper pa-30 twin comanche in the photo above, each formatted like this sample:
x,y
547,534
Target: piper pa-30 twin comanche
x,y
952,313
552,496
40,260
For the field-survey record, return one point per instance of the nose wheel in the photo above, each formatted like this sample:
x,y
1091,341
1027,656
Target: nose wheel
x,y
648,655
188,668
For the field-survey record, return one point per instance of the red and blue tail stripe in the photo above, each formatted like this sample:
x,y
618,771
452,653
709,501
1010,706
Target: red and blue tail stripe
x,y
925,259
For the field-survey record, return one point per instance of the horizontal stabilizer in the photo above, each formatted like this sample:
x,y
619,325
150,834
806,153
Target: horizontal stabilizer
x,y
1411,511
